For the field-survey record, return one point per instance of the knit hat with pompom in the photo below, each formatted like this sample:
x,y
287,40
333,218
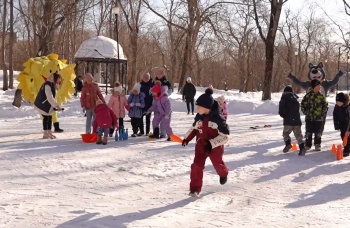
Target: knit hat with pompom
x,y
206,100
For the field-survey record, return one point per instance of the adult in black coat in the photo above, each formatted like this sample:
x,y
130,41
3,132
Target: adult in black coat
x,y
146,86
160,76
289,110
188,93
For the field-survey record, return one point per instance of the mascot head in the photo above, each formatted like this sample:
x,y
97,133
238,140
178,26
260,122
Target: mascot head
x,y
38,69
316,72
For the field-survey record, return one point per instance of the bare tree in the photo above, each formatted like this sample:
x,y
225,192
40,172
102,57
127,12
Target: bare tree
x,y
269,40
3,48
191,21
132,12
11,44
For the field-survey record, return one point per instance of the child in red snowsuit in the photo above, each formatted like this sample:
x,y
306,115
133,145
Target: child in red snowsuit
x,y
104,119
211,133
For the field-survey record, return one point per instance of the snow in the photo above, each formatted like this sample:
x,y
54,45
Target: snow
x,y
98,47
65,183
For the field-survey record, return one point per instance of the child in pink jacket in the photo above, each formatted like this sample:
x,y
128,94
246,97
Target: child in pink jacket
x,y
118,103
223,106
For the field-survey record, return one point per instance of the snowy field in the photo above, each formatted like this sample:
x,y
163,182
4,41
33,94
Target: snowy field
x,y
65,183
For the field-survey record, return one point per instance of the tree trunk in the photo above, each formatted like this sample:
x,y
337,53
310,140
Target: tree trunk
x,y
3,48
269,52
11,41
133,61
185,68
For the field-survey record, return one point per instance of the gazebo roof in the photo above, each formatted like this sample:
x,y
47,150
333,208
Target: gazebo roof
x,y
100,48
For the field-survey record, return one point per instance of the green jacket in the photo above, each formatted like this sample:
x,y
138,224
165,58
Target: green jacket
x,y
314,106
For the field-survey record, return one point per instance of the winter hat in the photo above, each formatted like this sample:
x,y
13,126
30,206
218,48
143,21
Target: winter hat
x,y
315,83
99,102
221,99
206,100
287,89
340,97
189,79
137,87
118,89
156,89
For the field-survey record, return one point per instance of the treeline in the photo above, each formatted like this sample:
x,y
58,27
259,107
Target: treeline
x,y
214,42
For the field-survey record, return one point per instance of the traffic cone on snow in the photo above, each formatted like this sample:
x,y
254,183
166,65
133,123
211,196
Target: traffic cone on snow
x,y
294,146
334,149
339,155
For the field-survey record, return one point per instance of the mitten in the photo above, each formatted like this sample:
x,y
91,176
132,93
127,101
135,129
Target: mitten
x,y
341,72
131,104
138,104
185,142
208,147
146,113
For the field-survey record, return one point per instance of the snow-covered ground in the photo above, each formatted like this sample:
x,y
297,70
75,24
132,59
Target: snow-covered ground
x,y
140,183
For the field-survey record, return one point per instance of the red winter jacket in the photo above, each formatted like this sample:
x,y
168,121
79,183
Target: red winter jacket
x,y
104,117
209,128
89,94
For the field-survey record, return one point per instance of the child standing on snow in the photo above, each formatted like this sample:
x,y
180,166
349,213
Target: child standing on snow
x,y
223,106
136,103
315,107
162,110
289,110
211,133
117,103
341,118
104,119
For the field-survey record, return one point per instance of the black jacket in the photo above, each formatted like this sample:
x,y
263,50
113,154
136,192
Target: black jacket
x,y
165,82
146,89
216,117
189,91
341,117
78,85
289,109
41,101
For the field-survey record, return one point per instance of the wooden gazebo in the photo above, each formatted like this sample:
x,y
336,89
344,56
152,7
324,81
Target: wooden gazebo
x,y
99,56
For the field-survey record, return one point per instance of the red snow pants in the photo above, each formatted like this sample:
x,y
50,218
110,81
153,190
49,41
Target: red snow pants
x,y
197,167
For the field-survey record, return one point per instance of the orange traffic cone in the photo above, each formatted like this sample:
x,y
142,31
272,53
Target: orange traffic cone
x,y
294,146
339,154
334,149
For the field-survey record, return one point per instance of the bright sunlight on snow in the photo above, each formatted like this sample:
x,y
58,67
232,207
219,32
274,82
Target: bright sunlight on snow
x,y
65,183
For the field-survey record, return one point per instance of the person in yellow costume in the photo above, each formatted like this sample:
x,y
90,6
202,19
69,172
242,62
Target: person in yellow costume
x,y
37,70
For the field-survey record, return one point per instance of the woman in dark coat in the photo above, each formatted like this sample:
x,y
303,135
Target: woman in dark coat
x,y
188,93
146,86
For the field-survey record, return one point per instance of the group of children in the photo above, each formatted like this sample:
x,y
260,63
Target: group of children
x,y
209,127
314,106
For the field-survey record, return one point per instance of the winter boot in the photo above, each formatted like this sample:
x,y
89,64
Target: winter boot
x,y
223,180
147,130
346,152
51,136
142,132
46,135
155,134
57,127
99,139
287,147
194,194
318,147
302,149
105,139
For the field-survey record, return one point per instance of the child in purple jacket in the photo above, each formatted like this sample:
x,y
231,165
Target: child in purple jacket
x,y
162,111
